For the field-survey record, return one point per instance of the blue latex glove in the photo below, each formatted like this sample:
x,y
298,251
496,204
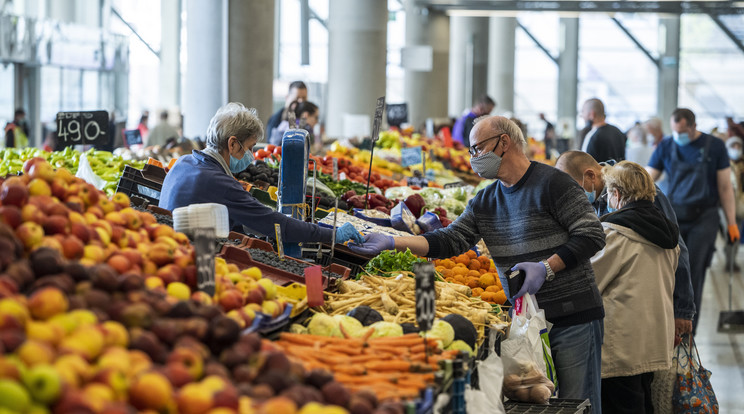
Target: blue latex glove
x,y
535,273
374,243
348,232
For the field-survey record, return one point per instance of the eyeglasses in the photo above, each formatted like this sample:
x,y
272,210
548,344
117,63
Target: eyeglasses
x,y
474,150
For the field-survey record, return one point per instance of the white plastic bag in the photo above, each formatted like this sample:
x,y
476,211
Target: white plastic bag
x,y
86,173
490,379
526,354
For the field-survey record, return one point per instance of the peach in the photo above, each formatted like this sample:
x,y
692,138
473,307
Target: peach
x,y
38,186
161,230
41,170
115,334
93,253
231,299
33,352
30,234
10,215
189,358
59,188
52,243
31,212
120,263
161,254
13,192
47,302
115,217
151,391
106,206
56,225
121,199
194,399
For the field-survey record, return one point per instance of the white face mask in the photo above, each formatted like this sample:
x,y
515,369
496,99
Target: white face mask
x,y
734,154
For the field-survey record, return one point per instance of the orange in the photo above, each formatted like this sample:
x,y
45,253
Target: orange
x,y
482,271
487,296
459,271
461,279
463,259
485,262
500,297
439,269
449,264
494,288
477,291
446,273
471,254
472,282
474,273
486,280
474,264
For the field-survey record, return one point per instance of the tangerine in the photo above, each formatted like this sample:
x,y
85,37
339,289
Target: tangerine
x,y
471,254
474,264
460,271
446,273
477,291
486,280
494,288
485,261
474,273
463,259
472,282
500,297
439,269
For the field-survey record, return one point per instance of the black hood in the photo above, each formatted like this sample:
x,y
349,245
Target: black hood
x,y
648,221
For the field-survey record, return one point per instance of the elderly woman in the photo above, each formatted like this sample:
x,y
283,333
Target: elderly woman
x,y
207,177
635,275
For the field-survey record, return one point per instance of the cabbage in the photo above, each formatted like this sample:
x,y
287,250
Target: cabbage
x,y
385,329
351,325
459,193
323,325
442,331
399,193
460,345
453,207
431,195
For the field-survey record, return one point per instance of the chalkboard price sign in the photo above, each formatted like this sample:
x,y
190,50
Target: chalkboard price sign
x,y
132,137
397,114
425,295
410,156
82,128
204,239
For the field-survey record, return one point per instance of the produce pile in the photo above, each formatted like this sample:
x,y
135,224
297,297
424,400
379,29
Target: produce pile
x,y
104,164
392,262
476,272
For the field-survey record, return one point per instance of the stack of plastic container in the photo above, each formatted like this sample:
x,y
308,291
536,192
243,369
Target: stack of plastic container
x,y
207,215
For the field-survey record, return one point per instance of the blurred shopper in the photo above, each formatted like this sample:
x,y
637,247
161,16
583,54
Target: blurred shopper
x,y
699,181
306,117
143,127
635,271
163,132
537,219
734,129
654,131
734,148
549,137
603,141
16,132
297,93
588,173
461,130
638,149
207,177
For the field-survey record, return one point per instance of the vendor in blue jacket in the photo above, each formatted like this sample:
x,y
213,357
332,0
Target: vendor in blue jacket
x,y
207,177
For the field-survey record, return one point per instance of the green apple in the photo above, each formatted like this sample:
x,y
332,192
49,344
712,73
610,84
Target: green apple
x,y
13,396
44,383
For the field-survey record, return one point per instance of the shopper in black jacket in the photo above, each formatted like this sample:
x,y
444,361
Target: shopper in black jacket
x,y
297,92
603,141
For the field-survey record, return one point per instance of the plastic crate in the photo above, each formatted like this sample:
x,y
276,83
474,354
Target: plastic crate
x,y
358,212
555,406
146,183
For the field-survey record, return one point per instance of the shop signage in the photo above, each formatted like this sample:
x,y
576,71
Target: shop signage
x,y
397,114
82,128
133,137
425,295
204,239
410,156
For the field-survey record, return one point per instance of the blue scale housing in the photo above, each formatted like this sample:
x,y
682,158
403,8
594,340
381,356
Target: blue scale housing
x,y
293,180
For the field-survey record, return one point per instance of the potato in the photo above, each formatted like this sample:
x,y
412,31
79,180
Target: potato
x,y
533,377
522,394
512,381
539,394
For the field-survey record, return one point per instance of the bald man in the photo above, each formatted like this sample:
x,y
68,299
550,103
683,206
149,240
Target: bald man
x,y
536,219
603,141
588,173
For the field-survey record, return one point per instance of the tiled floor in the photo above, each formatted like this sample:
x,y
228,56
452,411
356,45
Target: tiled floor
x,y
723,354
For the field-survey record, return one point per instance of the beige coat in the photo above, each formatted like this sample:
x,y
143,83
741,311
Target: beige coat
x,y
636,280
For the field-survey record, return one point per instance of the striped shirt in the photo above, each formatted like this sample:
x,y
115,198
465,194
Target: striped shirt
x,y
545,213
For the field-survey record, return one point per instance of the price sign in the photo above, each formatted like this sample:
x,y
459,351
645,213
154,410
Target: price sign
x,y
425,295
378,119
279,244
204,240
314,285
410,156
397,114
132,137
455,185
82,128
418,182
335,169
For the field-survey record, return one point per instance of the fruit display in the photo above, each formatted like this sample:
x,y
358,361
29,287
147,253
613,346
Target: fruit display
x,y
394,299
104,164
260,171
291,266
477,272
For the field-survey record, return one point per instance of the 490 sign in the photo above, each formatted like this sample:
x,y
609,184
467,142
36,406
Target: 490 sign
x,y
82,128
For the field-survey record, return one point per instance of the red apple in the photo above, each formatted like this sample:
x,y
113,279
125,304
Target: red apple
x,y
13,192
10,215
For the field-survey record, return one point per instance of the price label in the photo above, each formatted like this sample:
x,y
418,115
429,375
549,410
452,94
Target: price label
x,y
279,245
378,119
133,137
397,114
335,169
204,240
410,156
425,295
314,285
455,185
418,182
82,128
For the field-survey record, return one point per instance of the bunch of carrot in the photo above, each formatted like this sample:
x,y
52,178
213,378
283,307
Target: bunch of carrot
x,y
394,368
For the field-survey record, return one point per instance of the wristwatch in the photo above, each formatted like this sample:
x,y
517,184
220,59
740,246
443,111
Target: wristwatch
x,y
549,274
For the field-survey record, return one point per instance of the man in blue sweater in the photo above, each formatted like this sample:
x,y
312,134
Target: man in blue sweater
x,y
588,173
537,219
207,177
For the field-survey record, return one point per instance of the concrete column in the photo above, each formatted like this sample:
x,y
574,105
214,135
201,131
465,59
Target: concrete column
x,y
568,72
357,59
250,58
667,92
170,47
424,93
501,51
61,10
468,65
206,69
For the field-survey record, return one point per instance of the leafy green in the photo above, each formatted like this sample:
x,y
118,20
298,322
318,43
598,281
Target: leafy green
x,y
341,187
392,261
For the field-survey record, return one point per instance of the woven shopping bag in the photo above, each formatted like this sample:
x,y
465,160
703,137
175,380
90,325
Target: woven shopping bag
x,y
693,392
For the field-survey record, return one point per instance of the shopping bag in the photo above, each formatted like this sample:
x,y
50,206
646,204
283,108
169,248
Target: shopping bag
x,y
490,379
693,392
662,387
528,364
85,171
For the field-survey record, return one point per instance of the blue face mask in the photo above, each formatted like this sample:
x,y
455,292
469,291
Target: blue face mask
x,y
610,209
239,165
589,194
681,139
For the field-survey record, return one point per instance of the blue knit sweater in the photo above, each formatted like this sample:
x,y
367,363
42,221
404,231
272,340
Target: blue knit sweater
x,y
545,213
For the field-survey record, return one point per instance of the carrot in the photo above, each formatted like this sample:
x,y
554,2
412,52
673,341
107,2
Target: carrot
x,y
343,349
368,357
349,369
403,366
389,349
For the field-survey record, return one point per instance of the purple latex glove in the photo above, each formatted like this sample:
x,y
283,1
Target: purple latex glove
x,y
374,243
535,273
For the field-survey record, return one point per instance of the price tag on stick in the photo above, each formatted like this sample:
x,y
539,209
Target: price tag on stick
x,y
279,245
425,295
375,136
314,284
82,128
335,169
204,240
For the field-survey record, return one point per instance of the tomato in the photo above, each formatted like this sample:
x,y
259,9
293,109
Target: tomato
x,y
277,151
270,147
261,154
